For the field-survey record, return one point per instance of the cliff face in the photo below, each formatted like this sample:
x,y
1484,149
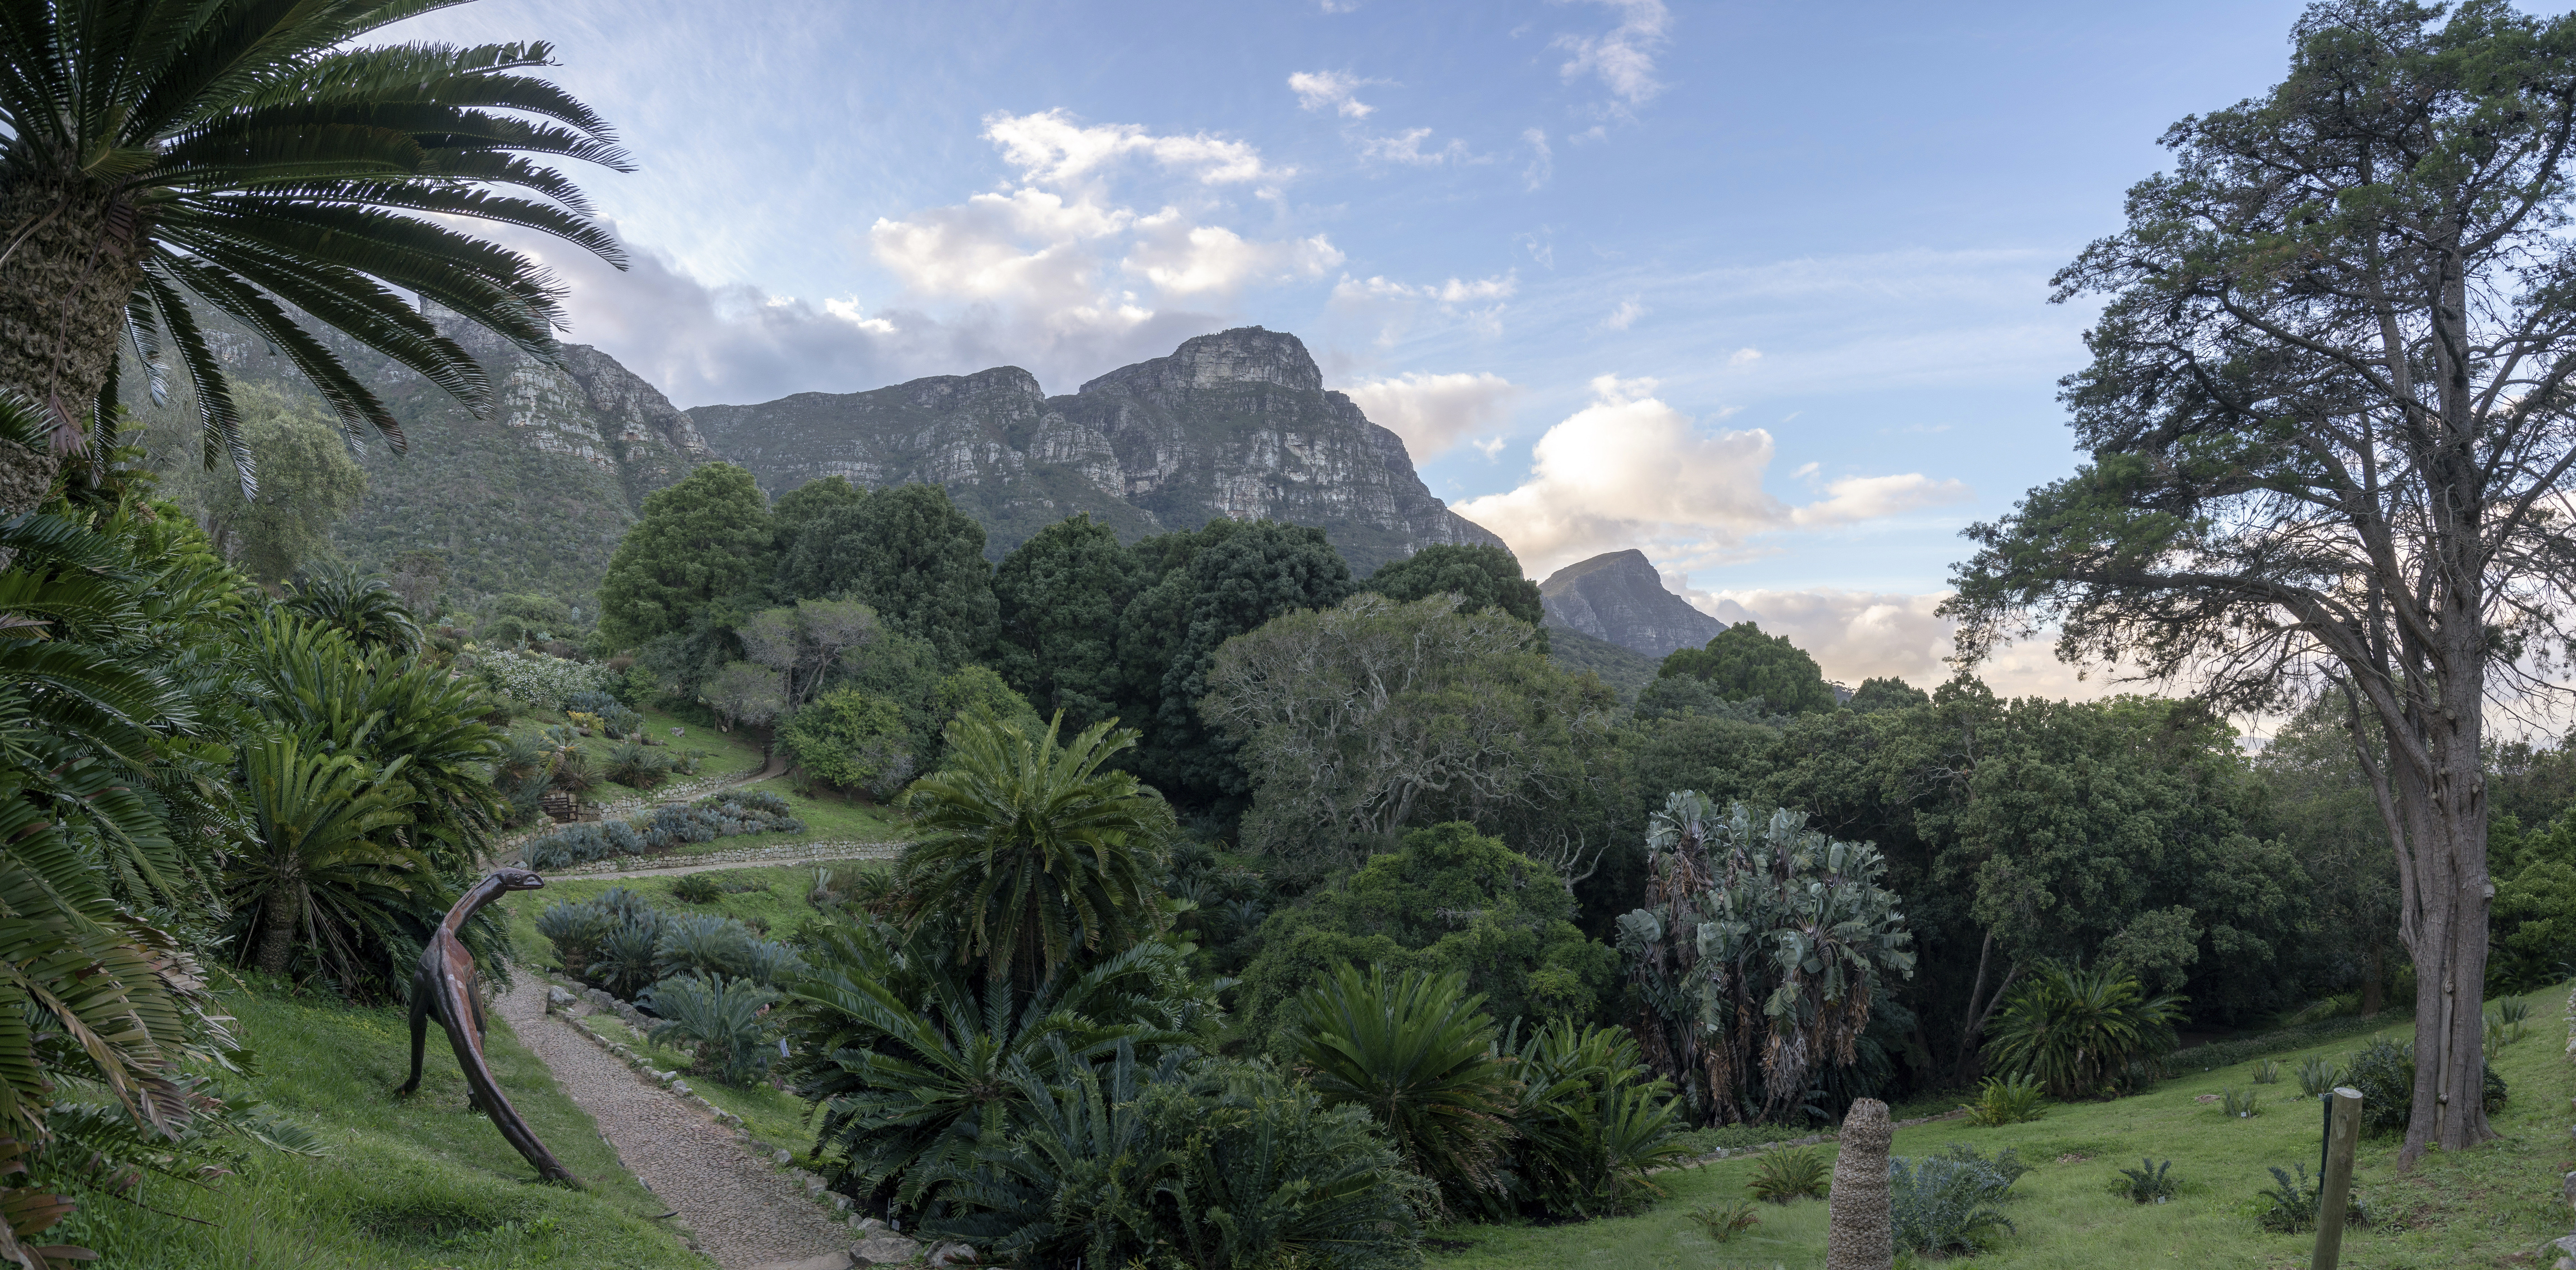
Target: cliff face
x,y
1236,424
1620,598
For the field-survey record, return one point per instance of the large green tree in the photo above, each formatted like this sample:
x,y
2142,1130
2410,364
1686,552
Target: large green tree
x,y
311,483
1743,664
1482,577
906,551
705,539
1058,596
255,158
2331,414
1208,587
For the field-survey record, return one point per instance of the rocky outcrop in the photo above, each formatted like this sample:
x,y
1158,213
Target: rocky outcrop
x,y
1618,597
1237,424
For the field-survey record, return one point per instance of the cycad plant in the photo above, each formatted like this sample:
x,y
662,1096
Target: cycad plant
x,y
327,870
909,1060
364,609
251,157
721,1017
1591,1123
1038,852
2075,1030
1414,1049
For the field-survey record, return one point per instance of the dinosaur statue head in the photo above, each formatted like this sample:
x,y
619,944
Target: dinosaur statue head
x,y
512,879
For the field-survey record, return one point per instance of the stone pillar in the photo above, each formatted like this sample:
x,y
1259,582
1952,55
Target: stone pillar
x,y
1859,1238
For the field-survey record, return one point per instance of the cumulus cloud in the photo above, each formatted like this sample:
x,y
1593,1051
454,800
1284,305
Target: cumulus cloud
x,y
1857,635
1629,470
1050,148
1625,315
1183,259
1622,58
1744,357
1433,413
1330,90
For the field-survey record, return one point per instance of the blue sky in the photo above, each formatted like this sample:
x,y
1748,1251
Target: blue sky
x,y
1760,289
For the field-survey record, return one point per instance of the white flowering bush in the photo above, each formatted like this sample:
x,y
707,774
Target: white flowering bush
x,y
538,681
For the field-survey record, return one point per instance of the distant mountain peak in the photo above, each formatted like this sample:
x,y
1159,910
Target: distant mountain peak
x,y
1619,596
1244,355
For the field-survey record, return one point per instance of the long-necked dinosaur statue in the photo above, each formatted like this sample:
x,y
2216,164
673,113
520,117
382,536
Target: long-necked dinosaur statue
x,y
443,984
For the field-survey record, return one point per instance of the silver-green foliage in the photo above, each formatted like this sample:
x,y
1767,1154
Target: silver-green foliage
x,y
1938,1205
721,1017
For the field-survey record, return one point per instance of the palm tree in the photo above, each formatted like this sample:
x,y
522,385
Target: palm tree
x,y
246,155
1033,849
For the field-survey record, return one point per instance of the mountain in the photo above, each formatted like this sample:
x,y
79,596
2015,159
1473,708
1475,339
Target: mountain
x,y
1236,424
1618,597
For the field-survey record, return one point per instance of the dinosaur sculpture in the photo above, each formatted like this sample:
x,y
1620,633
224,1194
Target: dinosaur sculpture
x,y
443,984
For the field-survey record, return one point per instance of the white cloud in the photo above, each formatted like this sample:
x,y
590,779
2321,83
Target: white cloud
x,y
850,311
1623,58
1857,635
1406,147
1024,245
1631,471
1860,498
1320,90
1341,6
1744,357
1182,259
1433,413
1625,315
1542,164
1050,148
1492,446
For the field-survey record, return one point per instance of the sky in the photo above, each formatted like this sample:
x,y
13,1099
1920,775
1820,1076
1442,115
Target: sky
x,y
1760,290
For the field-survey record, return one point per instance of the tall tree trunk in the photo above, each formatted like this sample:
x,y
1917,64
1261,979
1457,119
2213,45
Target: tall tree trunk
x,y
69,257
277,923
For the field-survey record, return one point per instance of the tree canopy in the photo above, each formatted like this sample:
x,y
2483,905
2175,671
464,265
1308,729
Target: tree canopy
x,y
704,539
1743,664
1482,577
1058,597
907,552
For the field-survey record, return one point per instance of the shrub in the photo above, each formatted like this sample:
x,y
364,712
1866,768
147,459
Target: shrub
x,y
619,721
720,1017
1737,1137
2241,1104
588,701
2318,1075
2150,1182
2268,1072
575,930
623,964
853,740
1591,1123
695,888
2507,1026
1938,1205
1722,1222
634,764
2006,1100
2384,1073
573,772
2007,1165
537,681
1782,1176
2077,1030
2289,1206
672,825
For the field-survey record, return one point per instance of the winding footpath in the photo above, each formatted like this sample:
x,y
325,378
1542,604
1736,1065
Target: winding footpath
x,y
741,1212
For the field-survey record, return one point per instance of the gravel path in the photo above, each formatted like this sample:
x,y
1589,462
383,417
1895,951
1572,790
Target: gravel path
x,y
742,1213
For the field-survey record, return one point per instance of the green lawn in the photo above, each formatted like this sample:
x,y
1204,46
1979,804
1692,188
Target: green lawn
x,y
773,1115
407,1184
770,898
2487,1207
728,753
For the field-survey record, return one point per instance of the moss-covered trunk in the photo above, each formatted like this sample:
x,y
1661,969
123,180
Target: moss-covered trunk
x,y
70,254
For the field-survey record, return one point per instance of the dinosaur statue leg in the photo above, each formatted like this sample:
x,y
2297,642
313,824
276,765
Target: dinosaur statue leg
x,y
461,1015
420,1001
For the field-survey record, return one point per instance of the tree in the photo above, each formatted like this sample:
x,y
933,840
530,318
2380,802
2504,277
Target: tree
x,y
328,872
745,695
257,160
418,577
312,484
1208,587
1038,852
1743,664
909,553
805,642
1356,722
705,539
1057,599
1758,956
852,740
798,510
1886,694
1482,577
2331,424
977,690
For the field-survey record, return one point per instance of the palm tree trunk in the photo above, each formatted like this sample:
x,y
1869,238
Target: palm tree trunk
x,y
277,925
69,257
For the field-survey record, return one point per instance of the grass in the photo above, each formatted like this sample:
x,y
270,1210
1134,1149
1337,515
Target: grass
x,y
407,1185
772,1114
2487,1207
768,897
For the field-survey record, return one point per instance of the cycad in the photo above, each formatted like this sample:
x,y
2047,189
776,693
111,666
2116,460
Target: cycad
x,y
247,156
364,609
1034,849
2072,1029
1414,1050
326,870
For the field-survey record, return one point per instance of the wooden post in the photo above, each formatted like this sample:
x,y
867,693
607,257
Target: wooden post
x,y
2343,1134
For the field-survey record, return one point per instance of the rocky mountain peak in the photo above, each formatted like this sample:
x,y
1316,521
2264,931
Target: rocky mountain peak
x,y
1618,596
1244,355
